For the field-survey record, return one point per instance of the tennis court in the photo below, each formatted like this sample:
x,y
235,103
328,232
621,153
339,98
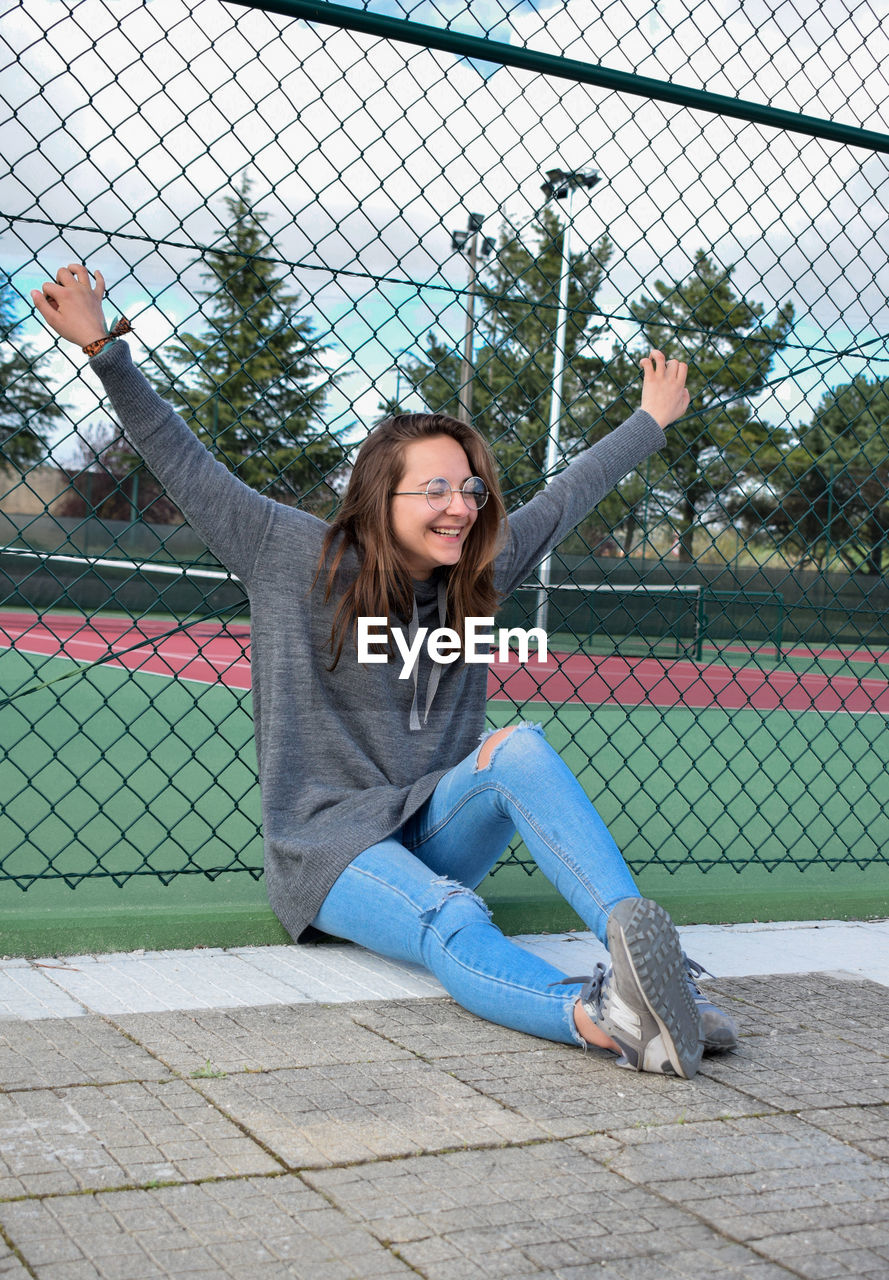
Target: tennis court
x,y
144,763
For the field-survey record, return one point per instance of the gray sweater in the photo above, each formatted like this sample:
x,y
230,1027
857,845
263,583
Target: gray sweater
x,y
339,768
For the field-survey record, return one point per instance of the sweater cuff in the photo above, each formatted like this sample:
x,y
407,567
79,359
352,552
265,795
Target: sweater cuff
x,y
648,431
131,394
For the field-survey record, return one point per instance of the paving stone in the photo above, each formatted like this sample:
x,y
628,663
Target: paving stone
x,y
248,1229
568,1092
62,1051
330,972
76,1139
27,991
557,1086
339,1114
729,1260
10,1266
821,1255
552,1211
263,1039
441,1029
806,1001
796,1070
866,1128
805,1199
138,982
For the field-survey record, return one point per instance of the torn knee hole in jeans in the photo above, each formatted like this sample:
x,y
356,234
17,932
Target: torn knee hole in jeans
x,y
489,733
452,889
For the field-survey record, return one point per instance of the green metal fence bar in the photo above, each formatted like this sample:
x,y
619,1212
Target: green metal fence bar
x,y
464,45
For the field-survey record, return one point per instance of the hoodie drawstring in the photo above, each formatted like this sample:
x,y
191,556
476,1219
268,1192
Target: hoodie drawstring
x,y
435,673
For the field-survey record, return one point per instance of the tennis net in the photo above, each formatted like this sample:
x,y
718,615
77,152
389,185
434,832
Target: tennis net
x,y
669,619
89,584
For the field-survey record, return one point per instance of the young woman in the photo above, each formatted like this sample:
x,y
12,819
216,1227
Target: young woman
x,y
381,811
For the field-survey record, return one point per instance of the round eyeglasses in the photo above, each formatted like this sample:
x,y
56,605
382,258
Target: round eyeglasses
x,y
439,494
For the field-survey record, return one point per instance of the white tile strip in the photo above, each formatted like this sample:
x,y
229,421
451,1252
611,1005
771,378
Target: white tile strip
x,y
856,947
334,973
154,981
27,991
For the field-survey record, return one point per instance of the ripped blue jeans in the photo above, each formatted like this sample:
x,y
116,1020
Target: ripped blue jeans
x,y
410,896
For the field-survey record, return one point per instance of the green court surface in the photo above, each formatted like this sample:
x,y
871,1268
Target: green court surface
x,y
731,815
125,772
723,815
833,661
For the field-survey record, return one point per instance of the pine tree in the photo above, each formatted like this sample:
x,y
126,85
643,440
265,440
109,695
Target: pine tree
x,y
730,351
829,499
253,382
28,406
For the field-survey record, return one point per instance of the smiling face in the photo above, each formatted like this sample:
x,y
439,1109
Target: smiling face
x,y
430,538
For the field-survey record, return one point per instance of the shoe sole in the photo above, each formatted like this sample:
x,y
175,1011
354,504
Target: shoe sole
x,y
646,955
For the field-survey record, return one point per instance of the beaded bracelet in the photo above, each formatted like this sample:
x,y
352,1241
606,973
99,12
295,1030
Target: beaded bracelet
x,y
93,348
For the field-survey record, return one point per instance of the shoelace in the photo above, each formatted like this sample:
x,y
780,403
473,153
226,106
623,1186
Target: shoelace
x,y
592,984
694,972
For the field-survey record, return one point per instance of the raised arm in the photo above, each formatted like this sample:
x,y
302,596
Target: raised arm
x,y
551,514
230,516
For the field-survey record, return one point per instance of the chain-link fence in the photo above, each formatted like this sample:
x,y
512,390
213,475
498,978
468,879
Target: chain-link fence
x,y
315,214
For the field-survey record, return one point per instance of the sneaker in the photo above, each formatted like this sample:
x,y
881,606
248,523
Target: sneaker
x,y
719,1029
643,1000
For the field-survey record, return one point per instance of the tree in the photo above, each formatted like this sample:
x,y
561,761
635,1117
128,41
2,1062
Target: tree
x,y
730,351
28,406
253,383
517,307
830,497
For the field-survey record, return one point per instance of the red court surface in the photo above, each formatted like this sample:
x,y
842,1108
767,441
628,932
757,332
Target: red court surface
x,y
204,651
209,653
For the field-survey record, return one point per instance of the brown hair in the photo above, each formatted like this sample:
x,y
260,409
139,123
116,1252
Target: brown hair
x,y
383,587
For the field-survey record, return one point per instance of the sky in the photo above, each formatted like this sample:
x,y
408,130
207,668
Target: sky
x,y
125,122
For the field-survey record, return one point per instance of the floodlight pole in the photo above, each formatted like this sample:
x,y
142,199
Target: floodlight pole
x,y
467,242
559,184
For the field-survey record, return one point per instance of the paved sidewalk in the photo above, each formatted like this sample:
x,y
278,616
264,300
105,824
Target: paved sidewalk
x,y
399,1136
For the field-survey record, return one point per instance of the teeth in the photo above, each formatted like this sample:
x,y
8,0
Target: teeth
x,y
448,533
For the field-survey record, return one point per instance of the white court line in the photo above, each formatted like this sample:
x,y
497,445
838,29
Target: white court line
x,y
240,665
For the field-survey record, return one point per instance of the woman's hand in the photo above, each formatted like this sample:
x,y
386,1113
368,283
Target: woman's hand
x,y
72,306
664,394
